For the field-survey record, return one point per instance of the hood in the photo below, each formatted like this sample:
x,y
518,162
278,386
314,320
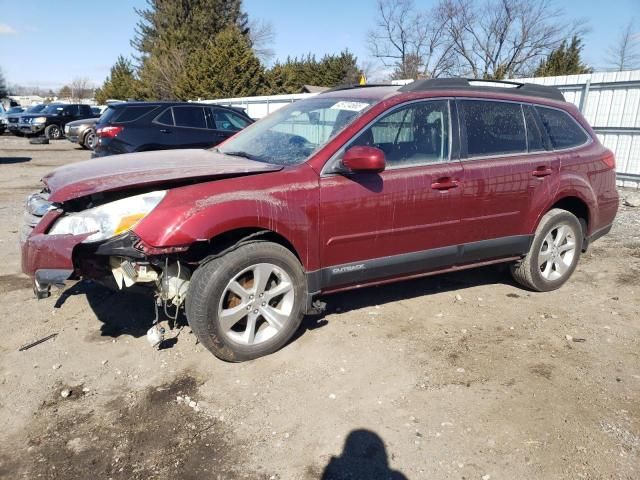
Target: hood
x,y
37,115
133,170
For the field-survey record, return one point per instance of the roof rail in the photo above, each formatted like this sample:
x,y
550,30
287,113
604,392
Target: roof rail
x,y
502,86
351,87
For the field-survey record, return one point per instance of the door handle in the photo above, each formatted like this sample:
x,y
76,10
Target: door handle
x,y
165,130
444,183
542,172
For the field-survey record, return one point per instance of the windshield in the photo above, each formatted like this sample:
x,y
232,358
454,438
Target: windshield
x,y
53,109
15,110
292,134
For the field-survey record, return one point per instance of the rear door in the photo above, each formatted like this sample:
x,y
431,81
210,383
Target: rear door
x,y
401,221
508,169
190,130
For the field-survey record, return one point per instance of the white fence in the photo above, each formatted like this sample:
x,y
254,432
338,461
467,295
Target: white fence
x,y
258,107
610,101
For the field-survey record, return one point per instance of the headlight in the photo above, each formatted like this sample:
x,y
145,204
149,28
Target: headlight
x,y
39,120
110,219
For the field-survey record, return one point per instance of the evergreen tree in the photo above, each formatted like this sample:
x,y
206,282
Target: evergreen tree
x,y
120,84
330,71
226,67
564,60
169,31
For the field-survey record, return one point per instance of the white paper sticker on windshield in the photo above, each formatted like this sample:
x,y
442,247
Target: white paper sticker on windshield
x,y
352,106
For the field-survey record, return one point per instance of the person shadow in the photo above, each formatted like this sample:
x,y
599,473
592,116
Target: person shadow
x,y
364,457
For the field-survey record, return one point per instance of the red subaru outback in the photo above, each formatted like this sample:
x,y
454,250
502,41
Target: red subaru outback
x,y
353,187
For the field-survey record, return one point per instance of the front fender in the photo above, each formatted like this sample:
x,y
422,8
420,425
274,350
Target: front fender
x,y
284,202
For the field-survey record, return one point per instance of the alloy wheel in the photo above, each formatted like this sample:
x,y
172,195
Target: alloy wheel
x,y
557,252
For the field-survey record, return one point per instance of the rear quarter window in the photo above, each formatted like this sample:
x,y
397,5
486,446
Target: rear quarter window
x,y
493,128
562,129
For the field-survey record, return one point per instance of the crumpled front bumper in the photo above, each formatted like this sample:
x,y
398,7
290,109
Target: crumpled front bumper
x,y
48,259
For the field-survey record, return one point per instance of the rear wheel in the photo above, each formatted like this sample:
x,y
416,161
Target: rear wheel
x,y
247,303
53,132
554,253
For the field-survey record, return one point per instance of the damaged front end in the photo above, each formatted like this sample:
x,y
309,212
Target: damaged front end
x,y
93,238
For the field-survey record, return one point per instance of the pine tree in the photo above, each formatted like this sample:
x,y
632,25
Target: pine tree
x,y
120,84
169,31
226,67
564,60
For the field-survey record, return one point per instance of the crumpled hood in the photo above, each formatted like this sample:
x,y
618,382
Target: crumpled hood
x,y
119,172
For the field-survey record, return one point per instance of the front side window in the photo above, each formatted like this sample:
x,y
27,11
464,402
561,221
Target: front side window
x,y
190,117
226,120
493,128
562,129
416,134
293,133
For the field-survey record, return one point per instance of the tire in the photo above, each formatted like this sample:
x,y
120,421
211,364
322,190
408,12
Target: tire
x,y
89,140
53,132
554,252
226,287
39,141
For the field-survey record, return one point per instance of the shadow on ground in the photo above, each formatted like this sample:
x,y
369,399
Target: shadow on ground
x,y
364,456
10,160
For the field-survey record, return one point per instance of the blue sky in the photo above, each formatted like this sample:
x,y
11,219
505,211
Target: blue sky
x,y
47,43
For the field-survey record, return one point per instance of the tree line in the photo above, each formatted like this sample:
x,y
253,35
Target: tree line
x,y
210,49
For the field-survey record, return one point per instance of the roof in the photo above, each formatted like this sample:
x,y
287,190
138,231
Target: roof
x,y
313,89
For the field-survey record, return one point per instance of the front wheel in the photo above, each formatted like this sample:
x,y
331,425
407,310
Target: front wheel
x,y
247,303
554,253
53,132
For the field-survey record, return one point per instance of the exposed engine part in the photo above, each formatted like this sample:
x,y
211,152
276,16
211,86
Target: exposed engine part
x,y
126,272
174,283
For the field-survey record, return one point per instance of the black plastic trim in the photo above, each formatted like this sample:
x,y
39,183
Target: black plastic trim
x,y
417,262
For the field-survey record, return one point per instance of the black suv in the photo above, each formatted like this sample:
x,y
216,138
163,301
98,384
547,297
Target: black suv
x,y
51,120
144,126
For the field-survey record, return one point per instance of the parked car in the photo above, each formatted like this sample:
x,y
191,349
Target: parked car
x,y
13,119
143,126
4,117
82,132
51,120
350,188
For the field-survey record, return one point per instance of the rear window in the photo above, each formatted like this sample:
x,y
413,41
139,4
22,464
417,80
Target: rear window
x,y
108,115
493,128
562,129
535,140
130,114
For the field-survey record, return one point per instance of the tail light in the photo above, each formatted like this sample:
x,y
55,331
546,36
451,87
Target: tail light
x,y
609,160
109,131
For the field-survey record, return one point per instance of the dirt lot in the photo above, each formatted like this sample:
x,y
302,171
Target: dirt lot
x,y
462,376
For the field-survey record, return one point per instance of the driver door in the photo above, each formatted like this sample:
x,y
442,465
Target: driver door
x,y
404,220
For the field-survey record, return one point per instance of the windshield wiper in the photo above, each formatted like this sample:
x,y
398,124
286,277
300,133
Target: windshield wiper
x,y
244,155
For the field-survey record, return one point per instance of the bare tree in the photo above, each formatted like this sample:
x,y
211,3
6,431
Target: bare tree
x,y
262,36
413,42
159,73
504,38
81,88
624,54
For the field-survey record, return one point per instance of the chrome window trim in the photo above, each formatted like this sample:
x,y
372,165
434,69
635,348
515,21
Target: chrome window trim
x,y
330,163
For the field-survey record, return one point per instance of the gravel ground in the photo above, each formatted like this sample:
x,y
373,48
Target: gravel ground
x,y
461,376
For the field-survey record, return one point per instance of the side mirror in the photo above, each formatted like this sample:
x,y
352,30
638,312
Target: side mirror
x,y
364,159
